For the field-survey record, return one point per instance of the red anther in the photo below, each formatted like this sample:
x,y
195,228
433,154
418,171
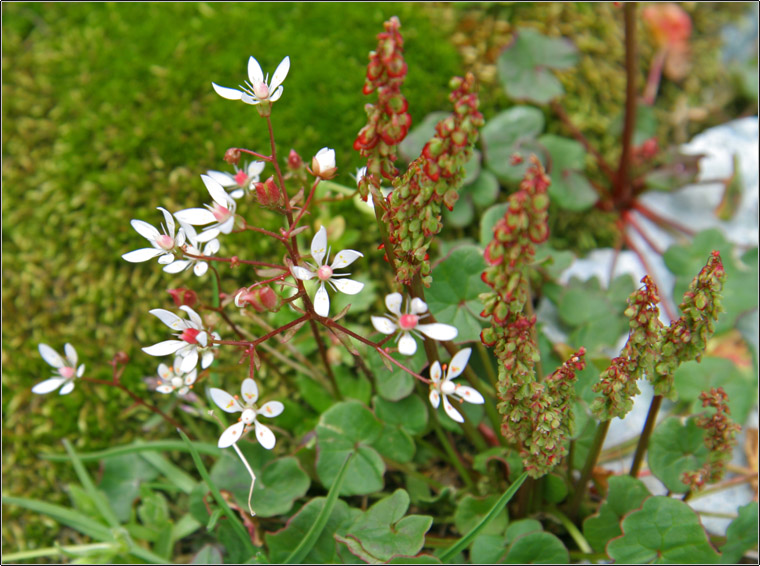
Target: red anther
x,y
381,246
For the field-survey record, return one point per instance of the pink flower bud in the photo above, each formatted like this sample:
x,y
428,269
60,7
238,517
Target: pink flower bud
x,y
183,296
294,160
268,193
232,156
260,298
323,164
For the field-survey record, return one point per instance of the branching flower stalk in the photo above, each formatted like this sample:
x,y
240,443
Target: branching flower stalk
x,y
684,340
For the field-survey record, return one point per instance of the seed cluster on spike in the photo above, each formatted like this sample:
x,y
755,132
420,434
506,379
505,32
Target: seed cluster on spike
x,y
432,180
536,416
388,120
617,386
720,439
686,338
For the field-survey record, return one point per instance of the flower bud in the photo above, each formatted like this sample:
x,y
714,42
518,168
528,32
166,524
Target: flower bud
x,y
294,160
268,193
323,164
183,296
121,358
232,156
260,298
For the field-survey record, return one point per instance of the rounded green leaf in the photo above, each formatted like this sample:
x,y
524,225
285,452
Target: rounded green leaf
x,y
664,530
488,221
345,427
471,511
555,488
676,448
409,413
624,494
537,548
453,295
741,534
513,131
569,188
484,190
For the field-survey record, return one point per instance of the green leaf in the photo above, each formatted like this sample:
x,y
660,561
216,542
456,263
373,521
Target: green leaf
x,y
153,510
537,548
623,495
740,290
137,447
395,444
279,482
741,534
120,482
352,386
569,188
522,528
325,513
488,549
676,448
209,554
314,394
462,214
524,65
471,511
396,384
409,413
484,190
465,541
383,531
488,221
173,473
346,427
554,488
511,132
74,519
453,295
97,497
740,384
419,559
663,531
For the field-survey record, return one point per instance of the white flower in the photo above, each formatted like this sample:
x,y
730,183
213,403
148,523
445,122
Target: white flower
x,y
193,246
174,379
257,89
193,341
243,179
221,215
66,368
249,395
164,245
445,387
323,163
409,324
325,273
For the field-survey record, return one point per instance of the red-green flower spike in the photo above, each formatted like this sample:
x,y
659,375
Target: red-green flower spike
x,y
388,120
617,384
432,180
720,439
686,338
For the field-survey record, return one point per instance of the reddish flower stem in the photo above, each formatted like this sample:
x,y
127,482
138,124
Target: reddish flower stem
x,y
249,152
236,260
623,192
631,220
305,206
654,217
665,303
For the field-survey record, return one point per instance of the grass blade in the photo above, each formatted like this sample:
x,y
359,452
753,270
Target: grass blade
x,y
65,516
177,476
316,529
95,494
160,445
234,520
465,541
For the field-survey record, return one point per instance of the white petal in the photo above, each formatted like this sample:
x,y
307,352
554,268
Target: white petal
x,y
191,377
393,303
435,398
319,245
265,436
67,388
166,259
227,226
435,371
191,233
51,356
469,394
322,301
216,190
145,230
458,362
255,168
207,359
224,179
80,371
407,345
301,273
202,339
249,391
190,360
169,319
48,385
249,99
196,216
141,255
418,306
165,389
347,286
211,247
177,266
280,73
438,331
71,355
164,348
451,411
384,325
255,74
345,257
275,96
225,401
193,316
200,268
271,409
163,371
228,93
207,235
231,435
237,193
169,220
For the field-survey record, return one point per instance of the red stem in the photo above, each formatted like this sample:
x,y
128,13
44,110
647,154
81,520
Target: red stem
x,y
631,220
654,217
665,302
248,151
623,188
